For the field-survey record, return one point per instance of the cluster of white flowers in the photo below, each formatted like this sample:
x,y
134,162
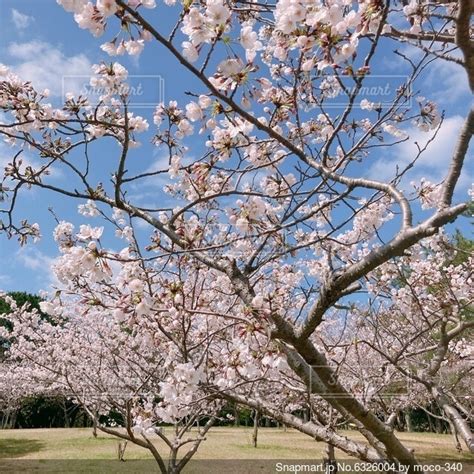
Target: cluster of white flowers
x,y
429,117
247,214
203,26
93,17
429,193
89,209
413,12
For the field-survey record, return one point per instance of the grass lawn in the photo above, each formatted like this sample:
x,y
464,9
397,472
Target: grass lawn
x,y
76,450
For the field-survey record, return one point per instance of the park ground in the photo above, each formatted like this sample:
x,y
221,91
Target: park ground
x,y
226,450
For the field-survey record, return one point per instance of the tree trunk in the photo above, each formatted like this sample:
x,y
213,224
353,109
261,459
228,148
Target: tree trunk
x,y
311,365
392,419
121,450
67,423
430,422
256,419
73,416
329,461
5,418
408,421
94,426
438,426
236,416
459,423
12,421
454,433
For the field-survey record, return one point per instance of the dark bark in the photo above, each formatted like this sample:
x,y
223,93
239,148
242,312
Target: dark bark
x,y
256,419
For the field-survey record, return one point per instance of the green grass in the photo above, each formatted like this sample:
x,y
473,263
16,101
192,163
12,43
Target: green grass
x,y
76,450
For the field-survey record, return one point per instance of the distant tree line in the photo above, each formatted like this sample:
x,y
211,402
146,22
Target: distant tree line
x,y
58,411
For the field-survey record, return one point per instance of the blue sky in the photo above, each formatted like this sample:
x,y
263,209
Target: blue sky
x,y
43,43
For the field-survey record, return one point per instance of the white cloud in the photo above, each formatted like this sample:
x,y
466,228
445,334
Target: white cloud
x,y
433,163
160,166
448,81
146,187
4,279
161,162
46,65
26,51
4,157
33,258
20,20
141,224
146,190
443,81
41,264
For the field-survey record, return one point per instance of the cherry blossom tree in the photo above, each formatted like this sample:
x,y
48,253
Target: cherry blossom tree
x,y
269,224
11,393
425,331
92,351
410,346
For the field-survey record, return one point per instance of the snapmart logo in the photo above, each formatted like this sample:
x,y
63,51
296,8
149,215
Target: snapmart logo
x,y
142,91
281,467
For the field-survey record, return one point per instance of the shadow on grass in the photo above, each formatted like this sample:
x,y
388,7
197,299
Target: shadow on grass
x,y
82,466
13,448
